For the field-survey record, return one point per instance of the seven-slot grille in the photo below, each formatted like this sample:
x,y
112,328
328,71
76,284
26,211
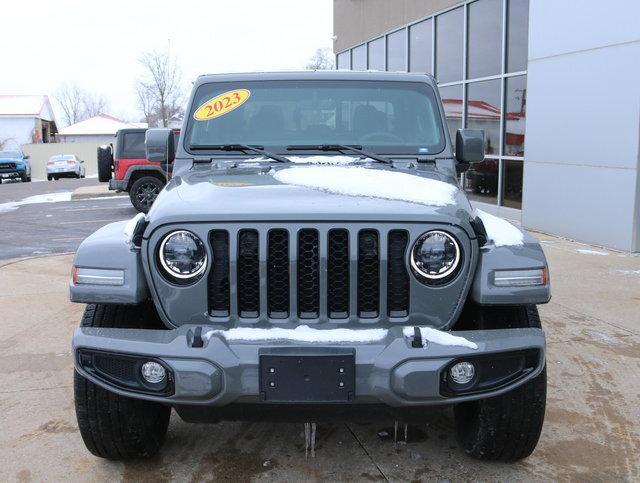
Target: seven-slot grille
x,y
309,274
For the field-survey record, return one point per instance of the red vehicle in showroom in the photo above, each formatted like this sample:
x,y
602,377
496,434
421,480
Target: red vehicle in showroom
x,y
126,169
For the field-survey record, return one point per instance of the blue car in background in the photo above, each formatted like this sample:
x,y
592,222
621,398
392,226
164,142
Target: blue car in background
x,y
14,164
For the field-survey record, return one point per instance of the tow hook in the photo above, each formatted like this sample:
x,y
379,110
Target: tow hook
x,y
196,341
417,338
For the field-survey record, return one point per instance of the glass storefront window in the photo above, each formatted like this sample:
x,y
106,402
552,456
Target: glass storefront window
x,y
344,60
484,44
517,35
481,181
515,103
452,102
359,58
483,112
376,54
449,44
396,51
512,183
420,46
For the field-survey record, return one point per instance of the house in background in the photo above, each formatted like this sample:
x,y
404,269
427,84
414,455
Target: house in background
x,y
26,119
99,129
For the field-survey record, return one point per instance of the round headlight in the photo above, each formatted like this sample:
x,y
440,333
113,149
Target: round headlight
x,y
183,255
435,256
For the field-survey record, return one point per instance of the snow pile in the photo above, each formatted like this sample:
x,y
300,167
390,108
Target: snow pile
x,y
591,252
439,337
32,200
373,183
302,333
499,231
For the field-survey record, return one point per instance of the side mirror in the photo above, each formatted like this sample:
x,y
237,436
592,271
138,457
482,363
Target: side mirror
x,y
26,156
469,145
159,145
82,161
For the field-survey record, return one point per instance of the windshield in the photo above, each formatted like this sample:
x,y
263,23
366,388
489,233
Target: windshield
x,y
10,154
382,117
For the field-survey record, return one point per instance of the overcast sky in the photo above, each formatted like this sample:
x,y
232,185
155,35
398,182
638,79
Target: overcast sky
x,y
97,44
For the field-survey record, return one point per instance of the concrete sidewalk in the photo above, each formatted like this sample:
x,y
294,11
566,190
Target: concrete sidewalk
x,y
592,427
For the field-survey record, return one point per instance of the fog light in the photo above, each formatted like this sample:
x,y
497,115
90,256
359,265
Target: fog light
x,y
462,372
153,372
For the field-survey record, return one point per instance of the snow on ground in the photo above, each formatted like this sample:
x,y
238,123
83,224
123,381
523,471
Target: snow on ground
x,y
591,252
500,231
373,183
439,337
302,333
32,200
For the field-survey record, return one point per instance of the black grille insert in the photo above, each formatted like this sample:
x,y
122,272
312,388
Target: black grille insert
x,y
308,274
248,274
278,274
397,275
218,291
338,274
368,274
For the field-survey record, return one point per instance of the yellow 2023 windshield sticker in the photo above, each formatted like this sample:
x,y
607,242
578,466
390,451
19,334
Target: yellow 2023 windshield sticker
x,y
221,104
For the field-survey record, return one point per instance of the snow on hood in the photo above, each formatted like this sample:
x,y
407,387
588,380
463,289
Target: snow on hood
x,y
371,183
337,159
500,231
302,333
439,337
32,200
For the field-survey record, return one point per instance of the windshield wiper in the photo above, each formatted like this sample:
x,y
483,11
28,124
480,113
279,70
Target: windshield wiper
x,y
355,148
239,147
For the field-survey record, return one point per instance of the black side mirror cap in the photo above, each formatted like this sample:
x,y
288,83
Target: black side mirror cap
x,y
159,145
469,146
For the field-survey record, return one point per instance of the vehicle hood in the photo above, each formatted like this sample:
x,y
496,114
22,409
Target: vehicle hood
x,y
307,192
12,160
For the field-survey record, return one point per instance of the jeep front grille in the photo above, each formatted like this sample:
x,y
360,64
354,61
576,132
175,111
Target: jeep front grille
x,y
308,274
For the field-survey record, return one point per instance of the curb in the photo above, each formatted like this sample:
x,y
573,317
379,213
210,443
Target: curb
x,y
86,192
13,261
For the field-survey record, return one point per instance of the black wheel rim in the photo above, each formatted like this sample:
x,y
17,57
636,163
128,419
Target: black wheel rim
x,y
147,193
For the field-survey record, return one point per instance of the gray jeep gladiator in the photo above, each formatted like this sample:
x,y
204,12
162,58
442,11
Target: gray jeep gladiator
x,y
313,257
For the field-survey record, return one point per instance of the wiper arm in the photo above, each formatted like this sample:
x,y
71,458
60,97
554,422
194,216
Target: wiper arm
x,y
354,148
239,147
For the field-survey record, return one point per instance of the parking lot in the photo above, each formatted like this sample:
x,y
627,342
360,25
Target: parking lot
x,y
52,225
591,432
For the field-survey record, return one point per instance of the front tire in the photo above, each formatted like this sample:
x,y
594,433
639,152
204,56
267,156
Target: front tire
x,y
113,426
144,192
506,427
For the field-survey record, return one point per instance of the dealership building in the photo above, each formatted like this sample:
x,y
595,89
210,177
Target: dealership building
x,y
554,84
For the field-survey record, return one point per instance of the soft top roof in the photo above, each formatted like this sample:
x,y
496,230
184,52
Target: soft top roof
x,y
318,75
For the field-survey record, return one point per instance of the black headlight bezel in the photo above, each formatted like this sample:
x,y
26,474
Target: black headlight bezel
x,y
440,279
170,275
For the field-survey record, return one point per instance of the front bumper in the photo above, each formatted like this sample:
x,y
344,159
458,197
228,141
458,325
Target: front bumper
x,y
389,371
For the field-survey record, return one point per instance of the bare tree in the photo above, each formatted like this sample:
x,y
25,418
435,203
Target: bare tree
x,y
160,91
71,100
78,104
94,105
322,59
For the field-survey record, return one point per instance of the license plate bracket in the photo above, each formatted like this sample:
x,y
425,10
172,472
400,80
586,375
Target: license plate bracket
x,y
307,375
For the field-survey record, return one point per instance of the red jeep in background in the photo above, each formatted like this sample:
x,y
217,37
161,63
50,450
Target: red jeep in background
x,y
129,171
